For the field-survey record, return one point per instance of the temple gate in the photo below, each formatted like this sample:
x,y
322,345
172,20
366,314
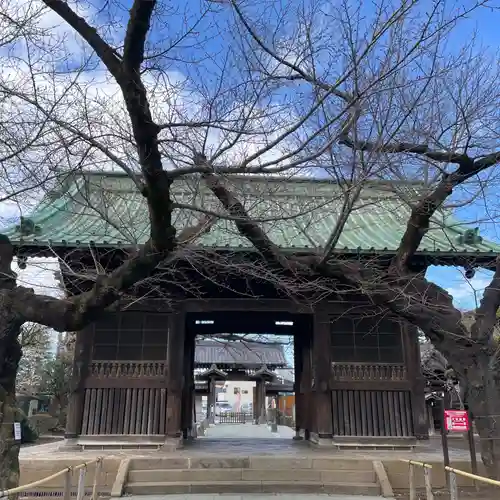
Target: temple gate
x,y
356,366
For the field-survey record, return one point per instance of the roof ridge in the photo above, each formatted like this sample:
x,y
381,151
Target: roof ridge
x,y
265,177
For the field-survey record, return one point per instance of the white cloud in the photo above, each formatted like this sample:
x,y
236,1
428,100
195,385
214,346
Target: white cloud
x,y
468,293
39,275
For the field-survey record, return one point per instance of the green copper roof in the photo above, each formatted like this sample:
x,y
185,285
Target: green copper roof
x,y
108,210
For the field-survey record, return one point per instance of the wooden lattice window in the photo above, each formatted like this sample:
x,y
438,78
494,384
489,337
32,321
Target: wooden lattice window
x,y
366,340
131,335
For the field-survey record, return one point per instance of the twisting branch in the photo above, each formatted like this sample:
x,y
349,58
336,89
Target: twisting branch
x,y
190,234
246,226
74,313
135,38
486,313
422,212
145,131
104,51
399,294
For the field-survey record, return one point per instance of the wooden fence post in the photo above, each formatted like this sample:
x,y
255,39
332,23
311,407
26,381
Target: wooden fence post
x,y
453,486
67,484
97,475
413,486
428,483
81,484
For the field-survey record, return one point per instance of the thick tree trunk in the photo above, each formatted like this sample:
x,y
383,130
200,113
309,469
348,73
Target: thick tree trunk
x,y
483,397
10,354
9,448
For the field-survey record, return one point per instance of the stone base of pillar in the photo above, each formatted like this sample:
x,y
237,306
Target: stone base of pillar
x,y
70,444
321,441
262,420
190,434
172,443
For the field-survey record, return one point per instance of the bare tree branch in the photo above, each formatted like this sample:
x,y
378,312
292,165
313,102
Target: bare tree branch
x,y
135,37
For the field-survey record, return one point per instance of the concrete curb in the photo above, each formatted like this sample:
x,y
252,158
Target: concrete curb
x,y
121,478
383,479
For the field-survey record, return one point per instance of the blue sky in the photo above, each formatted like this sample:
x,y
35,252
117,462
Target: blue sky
x,y
482,24
211,36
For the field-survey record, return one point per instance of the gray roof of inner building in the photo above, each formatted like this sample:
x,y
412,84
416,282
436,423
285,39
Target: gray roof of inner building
x,y
238,354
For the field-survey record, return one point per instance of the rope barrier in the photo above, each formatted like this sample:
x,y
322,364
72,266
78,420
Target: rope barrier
x,y
68,470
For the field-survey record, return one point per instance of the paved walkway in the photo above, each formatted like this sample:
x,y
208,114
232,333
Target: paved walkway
x,y
247,431
240,444
252,496
246,439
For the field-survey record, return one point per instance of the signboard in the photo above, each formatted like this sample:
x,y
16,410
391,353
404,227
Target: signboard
x,y
17,431
456,420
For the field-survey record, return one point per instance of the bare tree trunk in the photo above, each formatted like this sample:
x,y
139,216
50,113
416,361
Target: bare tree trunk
x,y
483,398
10,351
10,355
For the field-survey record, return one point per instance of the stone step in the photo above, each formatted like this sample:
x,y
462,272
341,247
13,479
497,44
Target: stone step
x,y
239,487
252,462
233,474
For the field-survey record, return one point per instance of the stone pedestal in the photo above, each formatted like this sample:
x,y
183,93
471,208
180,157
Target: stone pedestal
x,y
172,443
70,445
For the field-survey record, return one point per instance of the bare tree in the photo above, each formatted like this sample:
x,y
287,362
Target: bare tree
x,y
427,118
43,135
35,344
280,96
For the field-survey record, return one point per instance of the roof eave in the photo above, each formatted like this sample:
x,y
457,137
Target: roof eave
x,y
47,248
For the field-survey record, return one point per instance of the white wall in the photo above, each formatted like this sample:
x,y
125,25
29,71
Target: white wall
x,y
246,393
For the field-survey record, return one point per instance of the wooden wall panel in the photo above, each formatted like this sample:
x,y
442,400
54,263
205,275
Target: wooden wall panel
x,y
372,413
124,411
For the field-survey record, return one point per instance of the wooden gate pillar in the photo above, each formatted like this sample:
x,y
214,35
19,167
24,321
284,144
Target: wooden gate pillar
x,y
255,404
299,397
306,385
175,375
414,371
322,367
261,401
212,399
81,361
188,393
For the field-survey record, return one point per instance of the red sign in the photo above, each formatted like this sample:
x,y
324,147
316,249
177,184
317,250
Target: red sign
x,y
456,420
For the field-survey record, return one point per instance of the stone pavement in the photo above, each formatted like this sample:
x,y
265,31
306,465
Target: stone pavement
x,y
247,431
251,496
242,444
246,439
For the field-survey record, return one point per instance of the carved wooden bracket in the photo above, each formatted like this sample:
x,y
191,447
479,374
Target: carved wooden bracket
x,y
128,369
368,372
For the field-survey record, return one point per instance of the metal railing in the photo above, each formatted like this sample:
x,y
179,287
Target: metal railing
x,y
67,473
452,475
233,417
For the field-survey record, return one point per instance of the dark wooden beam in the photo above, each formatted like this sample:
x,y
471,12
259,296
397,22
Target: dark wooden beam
x,y
175,374
261,401
81,362
306,385
322,368
298,358
418,382
188,394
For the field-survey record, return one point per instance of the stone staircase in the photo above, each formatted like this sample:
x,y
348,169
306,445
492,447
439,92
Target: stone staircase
x,y
253,474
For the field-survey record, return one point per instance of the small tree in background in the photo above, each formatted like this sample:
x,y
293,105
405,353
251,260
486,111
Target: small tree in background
x,y
57,377
35,343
